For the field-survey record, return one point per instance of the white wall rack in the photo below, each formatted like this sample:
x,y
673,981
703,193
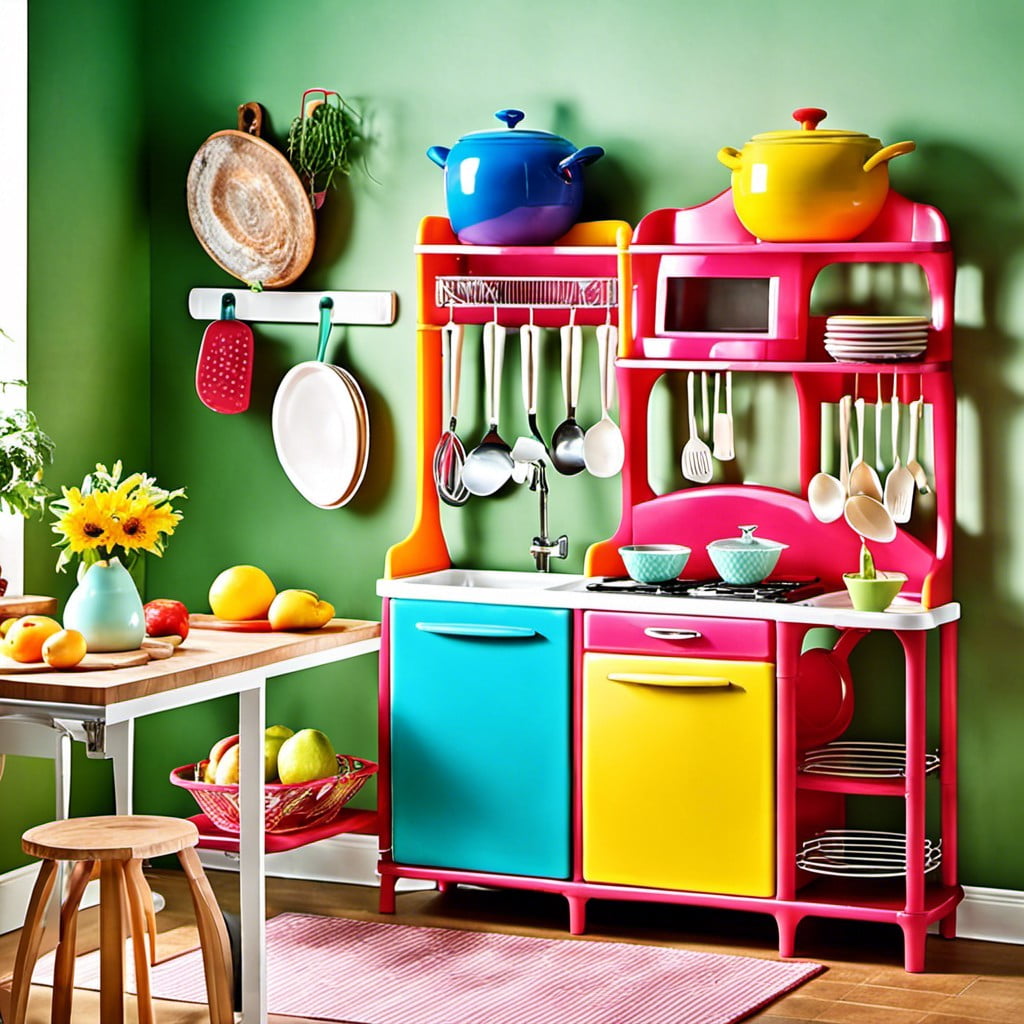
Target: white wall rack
x,y
287,307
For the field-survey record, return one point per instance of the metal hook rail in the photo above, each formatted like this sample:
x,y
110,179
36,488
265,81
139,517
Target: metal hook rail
x,y
527,292
287,307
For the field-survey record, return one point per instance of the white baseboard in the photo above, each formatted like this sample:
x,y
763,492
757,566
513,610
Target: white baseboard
x,y
990,915
16,890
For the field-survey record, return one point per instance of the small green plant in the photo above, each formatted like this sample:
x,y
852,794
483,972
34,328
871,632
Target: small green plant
x,y
322,141
25,451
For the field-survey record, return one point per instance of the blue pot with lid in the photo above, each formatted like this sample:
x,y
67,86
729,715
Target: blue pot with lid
x,y
513,186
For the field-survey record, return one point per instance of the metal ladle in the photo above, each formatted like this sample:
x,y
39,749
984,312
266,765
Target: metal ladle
x,y
567,440
489,465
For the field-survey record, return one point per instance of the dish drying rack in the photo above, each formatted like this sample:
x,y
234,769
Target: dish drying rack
x,y
513,292
862,760
862,853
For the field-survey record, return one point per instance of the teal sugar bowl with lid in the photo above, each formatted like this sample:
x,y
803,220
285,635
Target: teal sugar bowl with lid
x,y
745,559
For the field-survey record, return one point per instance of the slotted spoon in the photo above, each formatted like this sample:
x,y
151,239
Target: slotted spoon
x,y
696,457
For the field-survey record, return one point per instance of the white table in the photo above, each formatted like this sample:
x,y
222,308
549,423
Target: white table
x,y
101,707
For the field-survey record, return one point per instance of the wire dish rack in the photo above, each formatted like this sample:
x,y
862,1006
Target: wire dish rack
x,y
859,759
859,853
527,292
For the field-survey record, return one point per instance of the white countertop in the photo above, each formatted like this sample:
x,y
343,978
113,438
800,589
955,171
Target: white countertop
x,y
554,590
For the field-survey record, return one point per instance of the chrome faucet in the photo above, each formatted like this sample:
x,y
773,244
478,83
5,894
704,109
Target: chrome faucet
x,y
543,548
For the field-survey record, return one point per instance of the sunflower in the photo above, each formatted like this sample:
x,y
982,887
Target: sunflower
x,y
107,517
87,522
142,526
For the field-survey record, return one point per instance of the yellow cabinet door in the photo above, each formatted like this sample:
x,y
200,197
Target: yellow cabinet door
x,y
678,773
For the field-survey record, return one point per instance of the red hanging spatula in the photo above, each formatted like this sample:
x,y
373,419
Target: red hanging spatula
x,y
224,369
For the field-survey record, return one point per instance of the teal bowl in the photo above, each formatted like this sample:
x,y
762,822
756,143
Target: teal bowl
x,y
654,563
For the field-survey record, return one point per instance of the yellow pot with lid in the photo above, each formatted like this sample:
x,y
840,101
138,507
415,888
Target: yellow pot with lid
x,y
810,184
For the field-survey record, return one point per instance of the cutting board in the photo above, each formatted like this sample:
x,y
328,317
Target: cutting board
x,y
199,621
26,604
90,663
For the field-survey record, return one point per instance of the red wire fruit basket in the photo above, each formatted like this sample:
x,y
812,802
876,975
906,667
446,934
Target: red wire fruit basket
x,y
288,807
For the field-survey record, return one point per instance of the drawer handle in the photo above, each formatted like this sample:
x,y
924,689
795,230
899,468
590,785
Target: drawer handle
x,y
477,629
661,633
668,679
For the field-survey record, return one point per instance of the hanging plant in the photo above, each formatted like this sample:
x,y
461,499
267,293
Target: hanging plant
x,y
321,142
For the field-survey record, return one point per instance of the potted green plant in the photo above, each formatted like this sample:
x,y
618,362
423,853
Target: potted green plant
x,y
321,142
25,452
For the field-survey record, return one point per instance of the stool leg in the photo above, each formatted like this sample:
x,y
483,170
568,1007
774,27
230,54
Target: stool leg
x,y
31,937
137,882
213,938
111,943
136,913
64,961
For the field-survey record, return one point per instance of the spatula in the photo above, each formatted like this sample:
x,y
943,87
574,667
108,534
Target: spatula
x,y
224,369
723,449
696,458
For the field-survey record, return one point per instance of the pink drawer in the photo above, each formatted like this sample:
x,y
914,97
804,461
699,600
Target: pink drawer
x,y
689,635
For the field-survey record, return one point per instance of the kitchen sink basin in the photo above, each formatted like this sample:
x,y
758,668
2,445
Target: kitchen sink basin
x,y
490,579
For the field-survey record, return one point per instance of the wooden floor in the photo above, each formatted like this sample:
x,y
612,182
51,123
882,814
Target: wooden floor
x,y
968,982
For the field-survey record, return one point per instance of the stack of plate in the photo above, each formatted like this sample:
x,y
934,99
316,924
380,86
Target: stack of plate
x,y
866,339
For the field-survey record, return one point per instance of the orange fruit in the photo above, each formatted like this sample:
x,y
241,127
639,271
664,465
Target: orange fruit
x,y
64,649
25,638
242,592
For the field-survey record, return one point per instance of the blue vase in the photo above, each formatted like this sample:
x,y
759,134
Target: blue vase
x,y
106,608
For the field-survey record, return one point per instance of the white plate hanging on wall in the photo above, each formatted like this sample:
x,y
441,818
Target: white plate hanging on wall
x,y
320,427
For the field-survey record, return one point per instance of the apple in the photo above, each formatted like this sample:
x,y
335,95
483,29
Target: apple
x,y
165,617
227,767
306,756
299,609
217,751
273,738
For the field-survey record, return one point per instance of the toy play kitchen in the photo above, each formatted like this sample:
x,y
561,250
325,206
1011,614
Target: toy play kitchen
x,y
687,738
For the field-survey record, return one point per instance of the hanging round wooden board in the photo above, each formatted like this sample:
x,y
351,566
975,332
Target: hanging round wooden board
x,y
248,207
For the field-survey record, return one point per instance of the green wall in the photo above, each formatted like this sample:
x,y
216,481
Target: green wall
x,y
123,94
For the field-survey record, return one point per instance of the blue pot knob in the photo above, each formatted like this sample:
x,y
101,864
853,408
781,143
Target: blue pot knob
x,y
582,157
510,117
439,154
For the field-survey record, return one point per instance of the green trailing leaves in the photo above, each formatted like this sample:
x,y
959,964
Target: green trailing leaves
x,y
321,144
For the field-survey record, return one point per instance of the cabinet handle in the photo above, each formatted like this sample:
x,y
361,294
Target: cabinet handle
x,y
661,633
667,679
477,629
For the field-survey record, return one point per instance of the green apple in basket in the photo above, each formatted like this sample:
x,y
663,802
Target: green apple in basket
x,y
306,756
273,740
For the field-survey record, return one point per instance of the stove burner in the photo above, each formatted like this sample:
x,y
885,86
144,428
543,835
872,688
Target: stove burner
x,y
770,591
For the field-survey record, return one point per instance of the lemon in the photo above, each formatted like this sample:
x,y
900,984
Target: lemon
x,y
64,649
241,592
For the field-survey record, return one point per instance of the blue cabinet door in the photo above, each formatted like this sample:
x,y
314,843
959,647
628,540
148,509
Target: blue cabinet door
x,y
480,735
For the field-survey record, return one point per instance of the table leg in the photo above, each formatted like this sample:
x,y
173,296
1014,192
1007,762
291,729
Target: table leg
x,y
251,866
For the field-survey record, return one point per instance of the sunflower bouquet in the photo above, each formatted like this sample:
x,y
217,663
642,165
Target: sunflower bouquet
x,y
108,517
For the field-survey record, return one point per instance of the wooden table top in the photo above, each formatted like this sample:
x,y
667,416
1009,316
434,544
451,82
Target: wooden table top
x,y
206,654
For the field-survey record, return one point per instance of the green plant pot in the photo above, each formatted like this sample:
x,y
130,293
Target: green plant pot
x,y
873,595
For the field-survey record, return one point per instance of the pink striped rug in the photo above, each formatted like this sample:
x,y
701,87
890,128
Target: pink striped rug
x,y
361,971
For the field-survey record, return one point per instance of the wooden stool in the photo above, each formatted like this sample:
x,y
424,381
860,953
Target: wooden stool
x,y
117,845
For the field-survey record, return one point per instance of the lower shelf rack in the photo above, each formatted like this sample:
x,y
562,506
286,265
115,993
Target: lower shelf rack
x,y
861,853
862,759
